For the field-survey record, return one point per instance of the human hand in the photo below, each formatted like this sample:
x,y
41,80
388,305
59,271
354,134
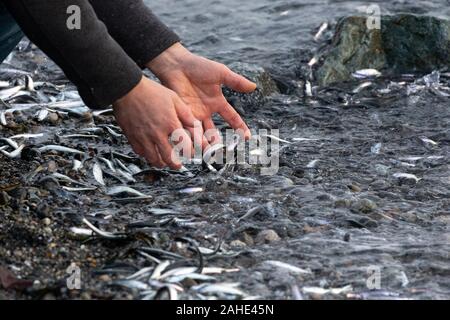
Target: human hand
x,y
198,82
148,115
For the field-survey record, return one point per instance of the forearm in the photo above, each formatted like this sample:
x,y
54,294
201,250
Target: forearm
x,y
133,25
90,57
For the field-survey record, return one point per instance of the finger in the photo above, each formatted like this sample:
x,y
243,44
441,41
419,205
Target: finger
x,y
167,154
211,132
237,82
234,119
182,141
185,114
152,155
203,141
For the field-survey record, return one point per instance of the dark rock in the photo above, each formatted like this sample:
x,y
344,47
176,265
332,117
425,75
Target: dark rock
x,y
266,86
405,43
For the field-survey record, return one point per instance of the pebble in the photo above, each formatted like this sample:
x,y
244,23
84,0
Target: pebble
x,y
364,206
4,199
105,278
267,236
53,117
238,244
47,221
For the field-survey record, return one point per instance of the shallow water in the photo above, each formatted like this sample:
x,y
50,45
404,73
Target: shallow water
x,y
339,220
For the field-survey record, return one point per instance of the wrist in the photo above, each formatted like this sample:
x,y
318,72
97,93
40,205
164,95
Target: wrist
x,y
169,60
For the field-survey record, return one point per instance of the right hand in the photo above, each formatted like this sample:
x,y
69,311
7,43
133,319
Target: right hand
x,y
148,115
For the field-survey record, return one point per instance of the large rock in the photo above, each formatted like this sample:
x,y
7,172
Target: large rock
x,y
405,43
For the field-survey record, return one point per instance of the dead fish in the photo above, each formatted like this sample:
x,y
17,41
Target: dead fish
x,y
250,213
366,73
3,118
11,142
80,233
319,33
27,136
4,84
308,89
15,154
132,284
312,164
77,165
362,86
42,115
428,141
98,174
127,176
108,163
286,266
160,269
112,132
322,291
65,178
219,288
123,166
9,93
191,190
79,136
70,189
407,176
304,139
312,62
276,138
114,191
29,83
59,149
103,234
100,112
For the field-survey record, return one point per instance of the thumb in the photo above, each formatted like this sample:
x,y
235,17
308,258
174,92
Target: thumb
x,y
237,82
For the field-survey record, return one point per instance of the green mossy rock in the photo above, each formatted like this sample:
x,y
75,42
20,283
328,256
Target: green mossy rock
x,y
405,43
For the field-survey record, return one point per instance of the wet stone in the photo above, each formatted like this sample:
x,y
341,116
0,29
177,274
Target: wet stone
x,y
364,206
405,44
267,236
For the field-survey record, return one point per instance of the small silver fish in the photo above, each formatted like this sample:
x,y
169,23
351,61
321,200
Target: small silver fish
x,y
362,86
406,176
11,142
124,190
15,154
319,33
286,266
312,164
366,73
42,115
98,174
103,234
59,149
70,189
191,190
376,148
428,141
27,136
108,163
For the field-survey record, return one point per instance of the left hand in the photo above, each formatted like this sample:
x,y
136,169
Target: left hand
x,y
198,82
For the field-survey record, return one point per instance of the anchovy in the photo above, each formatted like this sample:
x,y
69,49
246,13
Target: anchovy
x,y
98,174
8,93
219,288
312,62
319,33
159,270
77,165
27,136
70,189
100,112
362,86
59,149
4,84
11,142
312,164
15,154
428,141
79,136
65,178
286,266
3,118
276,138
308,89
42,115
108,163
103,234
29,83
191,190
250,213
406,176
124,190
366,73
128,177
322,291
